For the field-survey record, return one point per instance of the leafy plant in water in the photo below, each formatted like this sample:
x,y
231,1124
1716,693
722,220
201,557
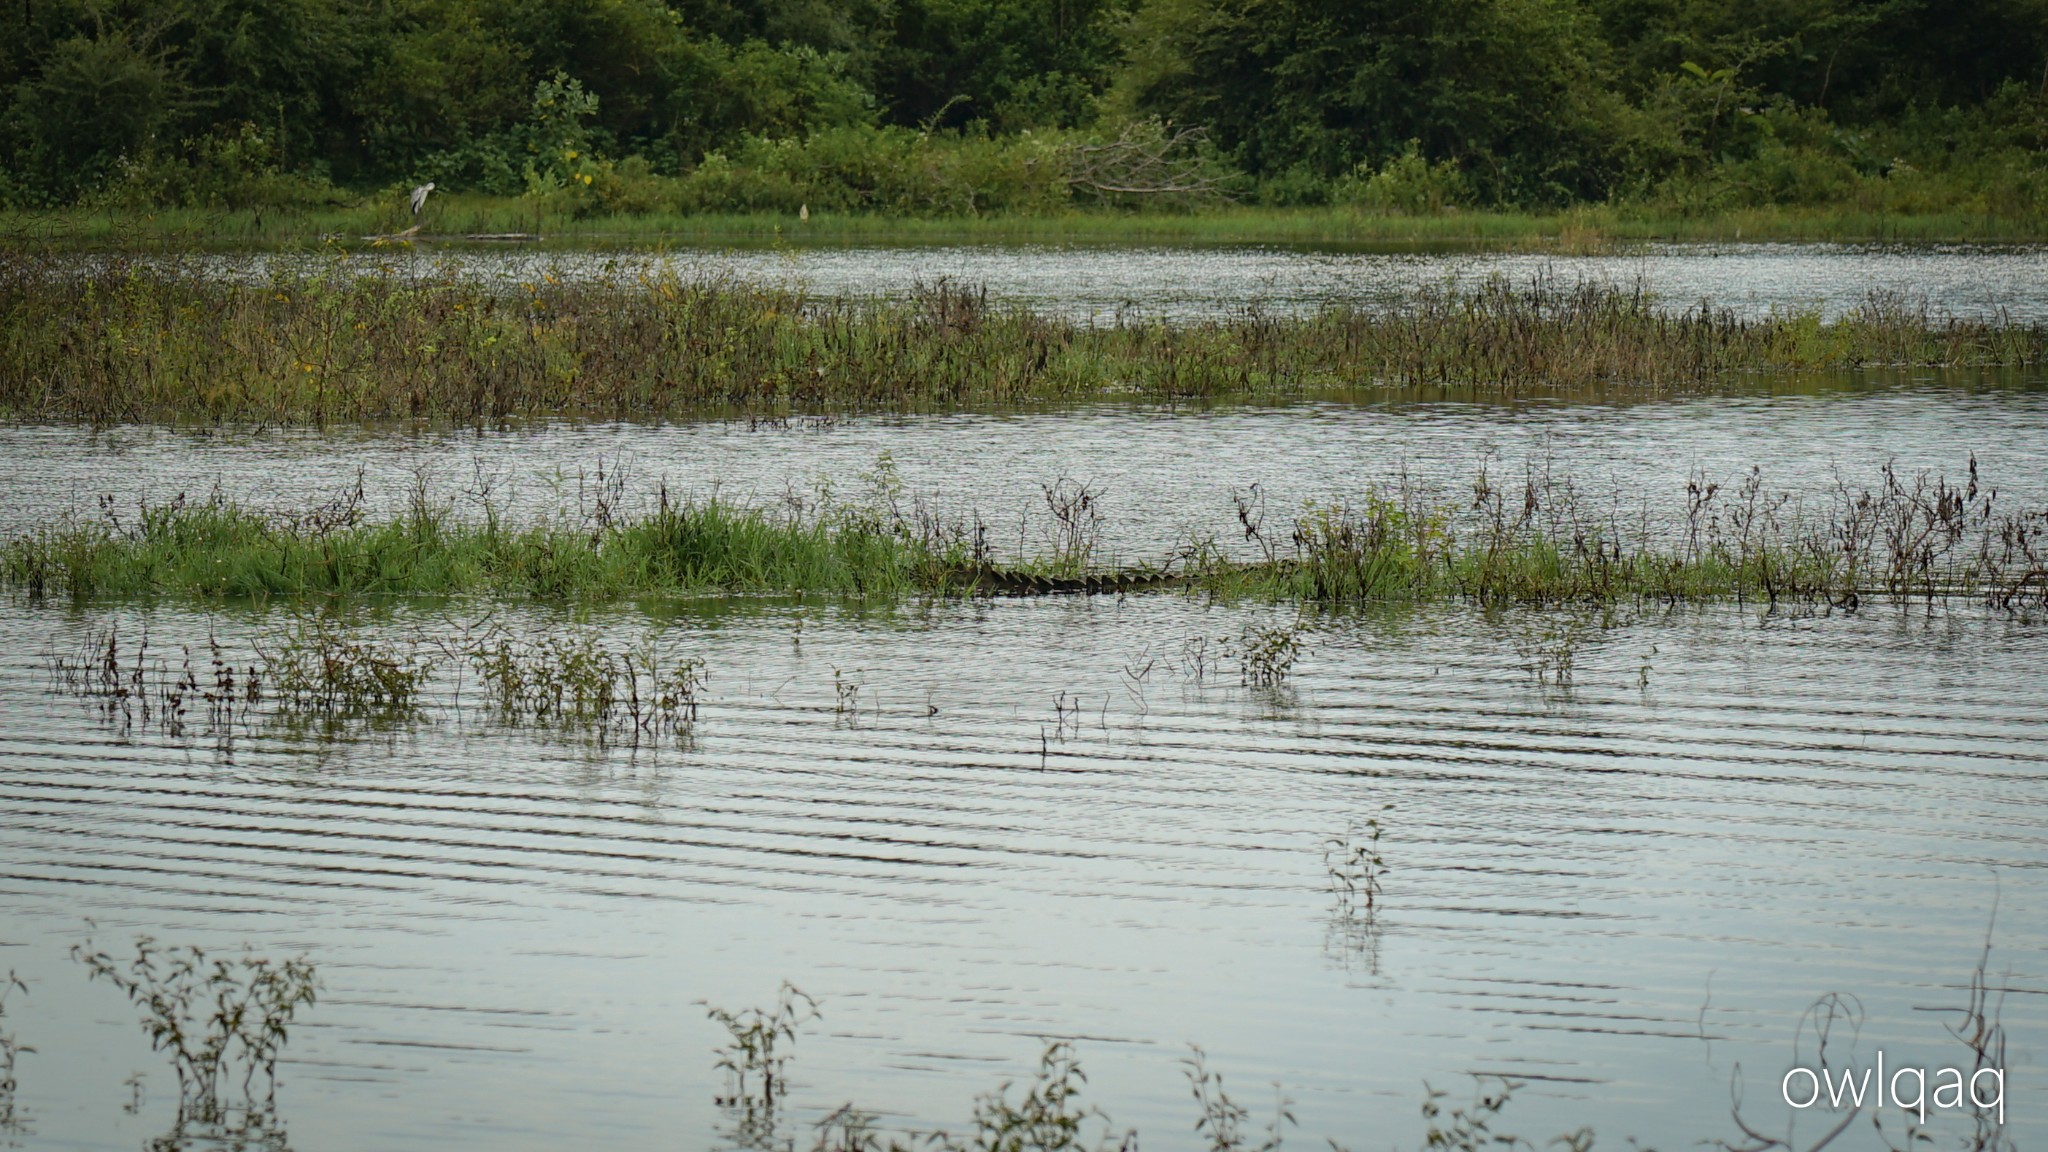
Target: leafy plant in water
x,y
1981,1029
1549,649
317,666
1266,655
1076,510
1355,866
579,682
1470,1128
1222,1120
750,1058
213,1016
845,690
848,1129
1047,1117
128,687
11,1048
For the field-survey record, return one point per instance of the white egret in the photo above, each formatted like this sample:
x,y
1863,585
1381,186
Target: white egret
x,y
419,198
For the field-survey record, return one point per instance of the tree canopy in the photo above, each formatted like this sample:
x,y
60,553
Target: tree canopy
x,y
1523,102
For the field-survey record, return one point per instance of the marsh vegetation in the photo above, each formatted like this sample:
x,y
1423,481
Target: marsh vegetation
x,y
117,341
341,672
1529,539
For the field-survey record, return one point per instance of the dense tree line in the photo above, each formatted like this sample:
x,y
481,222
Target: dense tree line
x,y
989,105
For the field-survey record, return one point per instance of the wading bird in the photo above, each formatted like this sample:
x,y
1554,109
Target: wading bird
x,y
419,198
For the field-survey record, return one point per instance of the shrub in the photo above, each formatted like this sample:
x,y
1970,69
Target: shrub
x,y
1408,184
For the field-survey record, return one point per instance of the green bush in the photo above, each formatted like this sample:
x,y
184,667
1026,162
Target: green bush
x,y
233,168
893,170
1407,184
965,107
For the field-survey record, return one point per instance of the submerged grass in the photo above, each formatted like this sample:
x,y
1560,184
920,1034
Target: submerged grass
x,y
1534,541
124,341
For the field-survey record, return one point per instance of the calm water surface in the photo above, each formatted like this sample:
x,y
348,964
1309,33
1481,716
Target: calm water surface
x,y
1102,282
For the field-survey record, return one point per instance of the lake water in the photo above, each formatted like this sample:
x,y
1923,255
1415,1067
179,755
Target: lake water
x,y
966,827
1163,474
1101,283
1616,892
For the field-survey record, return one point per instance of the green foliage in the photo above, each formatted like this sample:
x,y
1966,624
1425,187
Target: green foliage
x,y
1507,88
1046,1117
93,101
750,1059
1010,63
216,549
580,683
1398,106
213,1016
234,167
1407,184
1535,542
558,137
320,666
891,170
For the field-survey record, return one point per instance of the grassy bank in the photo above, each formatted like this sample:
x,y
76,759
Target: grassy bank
x,y
1533,541
452,219
134,341
218,550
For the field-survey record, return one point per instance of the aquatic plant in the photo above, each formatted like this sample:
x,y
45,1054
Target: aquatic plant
x,y
1469,1128
116,340
213,1016
1355,866
579,682
849,1129
131,686
1980,1027
846,690
218,549
1045,1117
757,1048
1265,656
319,664
1540,541
1549,649
341,672
1076,510
1356,873
11,1049
1221,1122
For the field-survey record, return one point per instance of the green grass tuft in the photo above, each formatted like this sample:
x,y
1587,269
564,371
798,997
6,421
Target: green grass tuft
x,y
1537,544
